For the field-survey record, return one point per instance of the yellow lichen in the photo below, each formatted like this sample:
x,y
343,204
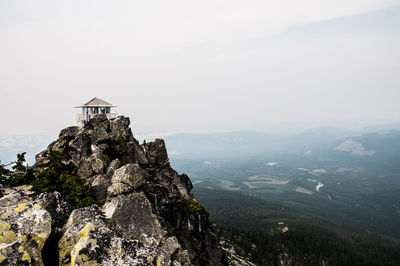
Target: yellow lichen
x,y
20,207
82,243
2,257
22,238
65,246
92,263
21,249
4,226
37,207
8,237
6,214
159,260
86,230
150,259
26,257
118,252
43,235
38,239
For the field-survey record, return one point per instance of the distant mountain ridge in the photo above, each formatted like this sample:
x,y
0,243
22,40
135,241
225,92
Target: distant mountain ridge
x,y
223,144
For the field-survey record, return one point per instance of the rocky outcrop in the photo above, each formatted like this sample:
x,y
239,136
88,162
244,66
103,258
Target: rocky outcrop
x,y
146,214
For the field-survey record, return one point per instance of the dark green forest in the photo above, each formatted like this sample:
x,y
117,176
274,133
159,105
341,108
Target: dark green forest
x,y
254,227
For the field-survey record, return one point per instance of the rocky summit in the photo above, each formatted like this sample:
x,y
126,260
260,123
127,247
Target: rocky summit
x,y
144,214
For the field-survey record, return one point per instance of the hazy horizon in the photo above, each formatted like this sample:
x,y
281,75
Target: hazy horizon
x,y
201,67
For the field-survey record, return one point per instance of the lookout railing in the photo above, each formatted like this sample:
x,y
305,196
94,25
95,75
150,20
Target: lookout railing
x,y
83,118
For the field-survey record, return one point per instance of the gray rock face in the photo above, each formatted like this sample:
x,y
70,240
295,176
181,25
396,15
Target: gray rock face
x,y
93,147
15,197
114,165
54,204
126,179
25,226
133,216
93,165
90,240
100,183
156,152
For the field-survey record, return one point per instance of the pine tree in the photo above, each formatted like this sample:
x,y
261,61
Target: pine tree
x,y
57,175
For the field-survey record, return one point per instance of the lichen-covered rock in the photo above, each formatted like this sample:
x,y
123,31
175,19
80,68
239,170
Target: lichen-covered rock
x,y
181,258
133,216
24,229
13,197
90,240
120,126
170,245
118,188
126,179
54,204
114,165
93,165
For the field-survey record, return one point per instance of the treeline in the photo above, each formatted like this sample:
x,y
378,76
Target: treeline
x,y
254,227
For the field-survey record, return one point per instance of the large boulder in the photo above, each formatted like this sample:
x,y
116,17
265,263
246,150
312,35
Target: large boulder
x,y
120,127
133,216
54,204
94,165
135,153
114,165
80,147
156,152
100,184
13,196
69,132
126,179
90,240
25,226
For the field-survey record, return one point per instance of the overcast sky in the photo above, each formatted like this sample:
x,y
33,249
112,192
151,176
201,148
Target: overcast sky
x,y
200,65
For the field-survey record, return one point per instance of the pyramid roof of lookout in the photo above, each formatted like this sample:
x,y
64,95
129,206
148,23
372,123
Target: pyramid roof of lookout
x,y
97,102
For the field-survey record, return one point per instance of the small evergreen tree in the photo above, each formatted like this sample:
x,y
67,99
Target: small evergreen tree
x,y
60,176
4,173
4,176
122,147
19,163
21,174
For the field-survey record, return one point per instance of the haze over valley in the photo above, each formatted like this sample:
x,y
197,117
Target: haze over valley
x,y
283,115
